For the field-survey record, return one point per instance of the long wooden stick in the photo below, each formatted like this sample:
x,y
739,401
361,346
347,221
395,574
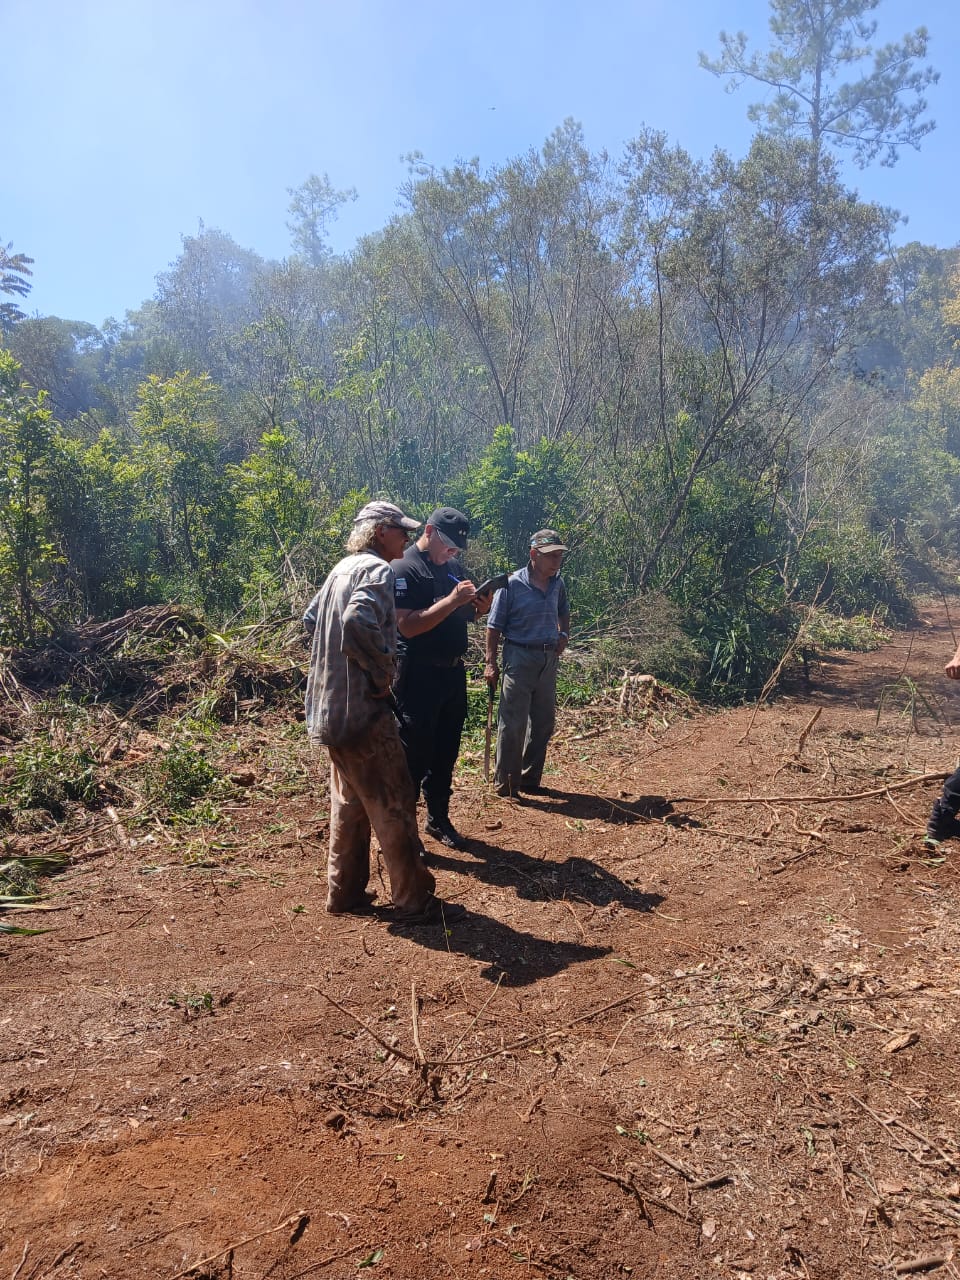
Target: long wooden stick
x,y
920,1264
489,735
415,1020
828,799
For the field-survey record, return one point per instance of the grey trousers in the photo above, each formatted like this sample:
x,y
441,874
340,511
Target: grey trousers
x,y
528,712
370,786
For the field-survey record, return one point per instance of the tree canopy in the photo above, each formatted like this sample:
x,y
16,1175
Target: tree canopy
x,y
714,376
830,83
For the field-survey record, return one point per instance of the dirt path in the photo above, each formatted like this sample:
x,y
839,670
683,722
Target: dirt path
x,y
672,1038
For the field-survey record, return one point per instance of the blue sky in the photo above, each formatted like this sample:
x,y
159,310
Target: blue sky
x,y
136,119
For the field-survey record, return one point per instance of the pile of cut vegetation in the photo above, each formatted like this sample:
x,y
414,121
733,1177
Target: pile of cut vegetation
x,y
117,726
151,659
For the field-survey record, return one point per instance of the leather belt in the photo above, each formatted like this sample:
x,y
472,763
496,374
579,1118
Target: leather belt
x,y
547,647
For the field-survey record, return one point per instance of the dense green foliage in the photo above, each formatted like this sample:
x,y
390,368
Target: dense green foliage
x,y
717,379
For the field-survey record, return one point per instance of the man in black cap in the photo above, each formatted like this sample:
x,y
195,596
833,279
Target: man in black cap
x,y
435,602
942,823
532,617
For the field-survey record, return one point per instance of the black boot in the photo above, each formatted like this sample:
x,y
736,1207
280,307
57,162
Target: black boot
x,y
942,823
441,828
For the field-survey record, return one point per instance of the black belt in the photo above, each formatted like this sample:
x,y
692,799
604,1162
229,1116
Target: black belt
x,y
547,647
448,663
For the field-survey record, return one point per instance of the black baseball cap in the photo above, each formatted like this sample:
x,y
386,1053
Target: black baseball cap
x,y
452,525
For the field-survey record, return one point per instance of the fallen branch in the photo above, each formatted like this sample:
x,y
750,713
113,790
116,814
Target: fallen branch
x,y
524,1041
696,1183
324,1262
64,1254
682,1169
615,1043
23,1258
834,798
534,1038
908,818
787,655
415,1021
643,1197
806,730
122,836
298,1221
920,1264
479,1014
719,1180
625,1184
390,1048
396,1107
914,1133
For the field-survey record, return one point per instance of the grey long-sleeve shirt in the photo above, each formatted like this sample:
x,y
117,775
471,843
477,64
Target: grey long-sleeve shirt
x,y
353,657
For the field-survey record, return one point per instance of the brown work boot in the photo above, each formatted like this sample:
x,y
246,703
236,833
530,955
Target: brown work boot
x,y
433,911
363,906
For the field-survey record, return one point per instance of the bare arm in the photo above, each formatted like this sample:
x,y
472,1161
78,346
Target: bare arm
x,y
491,672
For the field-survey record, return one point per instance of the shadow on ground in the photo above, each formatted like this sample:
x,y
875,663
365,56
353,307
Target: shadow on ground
x,y
539,880
575,804
509,956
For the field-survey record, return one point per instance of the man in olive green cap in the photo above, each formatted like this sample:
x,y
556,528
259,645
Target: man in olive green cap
x,y
531,616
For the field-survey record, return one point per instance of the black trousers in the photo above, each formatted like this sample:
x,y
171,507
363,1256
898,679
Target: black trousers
x,y
433,708
951,793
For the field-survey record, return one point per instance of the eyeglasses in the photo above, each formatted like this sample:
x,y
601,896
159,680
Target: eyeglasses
x,y
399,528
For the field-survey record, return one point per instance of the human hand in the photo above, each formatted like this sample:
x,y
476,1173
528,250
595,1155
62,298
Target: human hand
x,y
491,673
482,604
953,666
463,593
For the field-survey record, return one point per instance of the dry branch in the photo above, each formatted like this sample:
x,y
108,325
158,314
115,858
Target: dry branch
x,y
806,730
415,1023
914,1265
522,1043
831,798
298,1221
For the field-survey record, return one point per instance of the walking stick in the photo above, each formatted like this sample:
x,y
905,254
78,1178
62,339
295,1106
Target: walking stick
x,y
486,744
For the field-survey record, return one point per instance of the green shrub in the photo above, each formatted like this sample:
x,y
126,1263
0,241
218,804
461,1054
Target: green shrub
x,y
182,776
826,630
47,777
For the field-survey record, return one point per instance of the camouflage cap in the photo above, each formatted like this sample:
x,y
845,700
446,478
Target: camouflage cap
x,y
386,513
547,540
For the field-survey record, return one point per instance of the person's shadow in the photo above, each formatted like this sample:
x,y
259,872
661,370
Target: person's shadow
x,y
573,880
512,957
509,956
574,804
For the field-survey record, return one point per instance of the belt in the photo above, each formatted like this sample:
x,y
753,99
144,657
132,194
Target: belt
x,y
548,647
447,663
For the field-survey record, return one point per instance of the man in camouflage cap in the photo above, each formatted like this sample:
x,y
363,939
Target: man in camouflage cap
x,y
531,615
352,666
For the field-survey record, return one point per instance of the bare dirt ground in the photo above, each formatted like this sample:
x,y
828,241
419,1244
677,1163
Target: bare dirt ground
x,y
677,1034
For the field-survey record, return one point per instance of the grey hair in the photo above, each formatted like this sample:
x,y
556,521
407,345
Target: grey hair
x,y
363,536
